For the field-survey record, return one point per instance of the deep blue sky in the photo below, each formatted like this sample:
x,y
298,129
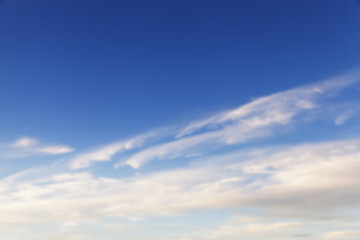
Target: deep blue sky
x,y
90,72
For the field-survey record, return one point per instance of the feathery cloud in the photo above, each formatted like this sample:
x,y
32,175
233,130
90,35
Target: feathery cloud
x,y
27,146
105,153
257,119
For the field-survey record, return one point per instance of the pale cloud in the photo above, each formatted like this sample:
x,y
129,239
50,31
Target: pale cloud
x,y
284,178
307,179
105,153
53,150
342,118
260,118
341,234
25,142
303,182
100,155
271,227
317,176
27,146
277,108
252,231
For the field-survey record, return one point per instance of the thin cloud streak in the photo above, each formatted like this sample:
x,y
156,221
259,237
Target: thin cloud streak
x,y
27,146
299,98
260,118
105,153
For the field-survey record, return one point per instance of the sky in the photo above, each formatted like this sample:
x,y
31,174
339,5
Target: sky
x,y
179,120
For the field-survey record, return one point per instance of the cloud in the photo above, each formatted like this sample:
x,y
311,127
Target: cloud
x,y
298,183
347,114
284,179
315,176
233,231
290,185
270,227
105,153
101,154
260,118
277,108
340,234
53,150
27,146
25,142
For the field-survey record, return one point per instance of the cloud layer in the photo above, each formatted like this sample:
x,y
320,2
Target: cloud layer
x,y
309,179
264,117
301,189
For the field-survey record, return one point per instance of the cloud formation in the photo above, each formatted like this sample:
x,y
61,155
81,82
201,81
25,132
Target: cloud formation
x,y
294,186
284,179
260,118
105,153
27,146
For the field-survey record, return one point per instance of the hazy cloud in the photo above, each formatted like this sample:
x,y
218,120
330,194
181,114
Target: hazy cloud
x,y
27,146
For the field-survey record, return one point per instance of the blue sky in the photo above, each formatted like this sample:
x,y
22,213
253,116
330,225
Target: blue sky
x,y
185,120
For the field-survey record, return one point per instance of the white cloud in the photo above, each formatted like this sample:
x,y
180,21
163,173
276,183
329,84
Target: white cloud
x,y
306,180
25,142
59,149
277,108
257,119
342,118
100,155
260,226
247,231
286,178
106,152
27,146
341,234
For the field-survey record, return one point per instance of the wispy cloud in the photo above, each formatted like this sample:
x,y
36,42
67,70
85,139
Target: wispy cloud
x,y
277,108
25,142
105,153
27,146
261,118
58,149
257,119
342,118
302,182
